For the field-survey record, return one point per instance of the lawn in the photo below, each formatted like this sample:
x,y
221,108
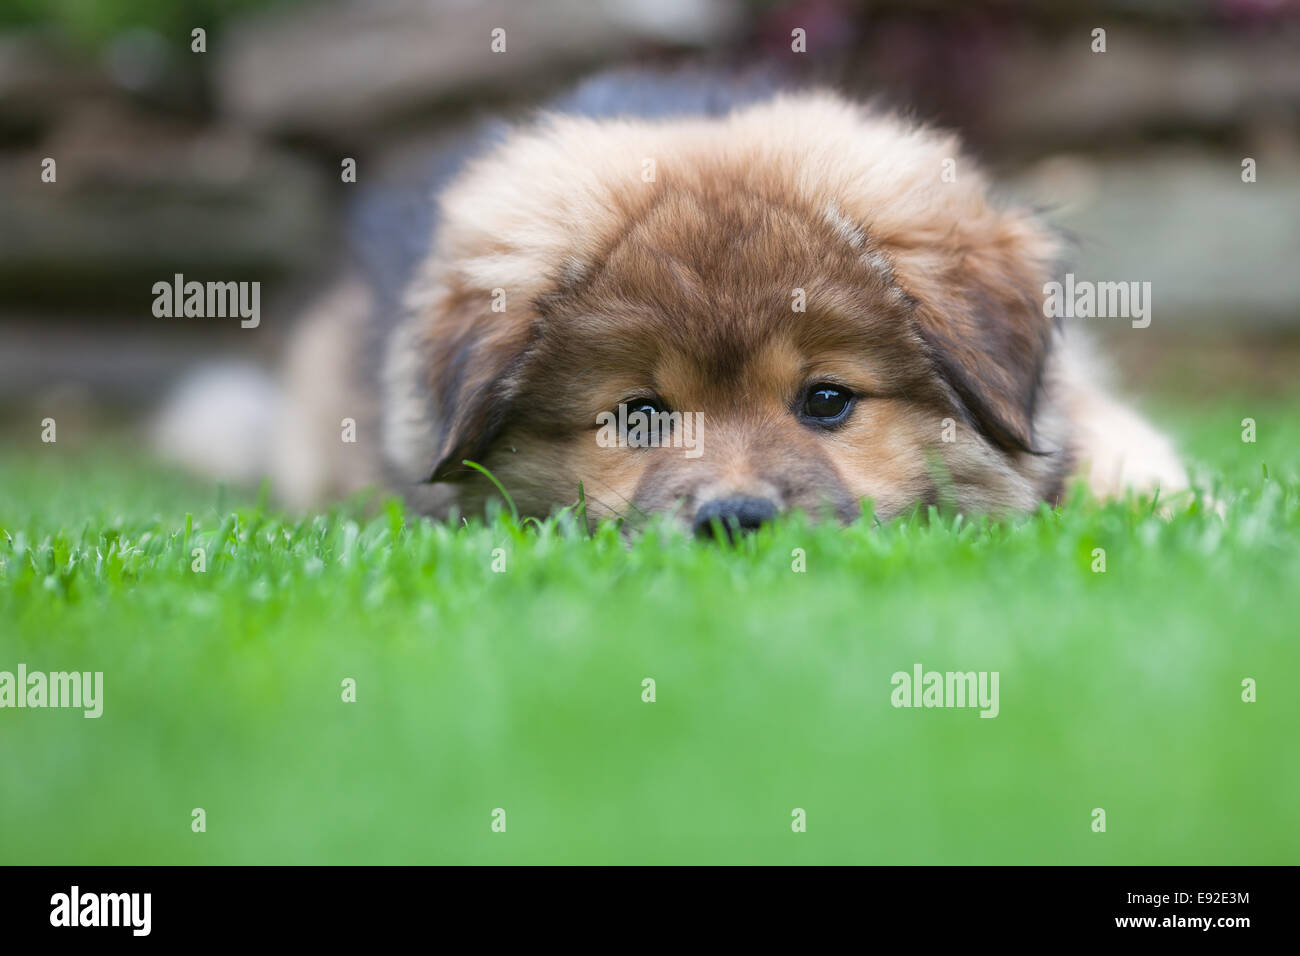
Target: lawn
x,y
522,689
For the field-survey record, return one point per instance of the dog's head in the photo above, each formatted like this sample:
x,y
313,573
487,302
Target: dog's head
x,y
801,306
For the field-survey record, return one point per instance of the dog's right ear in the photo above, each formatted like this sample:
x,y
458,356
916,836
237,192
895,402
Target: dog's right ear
x,y
477,363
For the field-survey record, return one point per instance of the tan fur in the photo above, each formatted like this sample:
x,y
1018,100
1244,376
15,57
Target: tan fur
x,y
922,297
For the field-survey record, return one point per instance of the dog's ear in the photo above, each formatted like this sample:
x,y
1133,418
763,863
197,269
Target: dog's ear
x,y
980,311
477,369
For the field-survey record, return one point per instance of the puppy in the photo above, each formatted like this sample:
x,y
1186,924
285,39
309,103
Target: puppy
x,y
779,289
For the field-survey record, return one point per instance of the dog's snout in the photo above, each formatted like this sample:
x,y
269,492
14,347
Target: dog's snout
x,y
737,514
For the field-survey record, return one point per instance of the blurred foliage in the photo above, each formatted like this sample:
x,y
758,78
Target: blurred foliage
x,y
91,23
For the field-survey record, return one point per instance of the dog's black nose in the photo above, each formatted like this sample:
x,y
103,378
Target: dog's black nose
x,y
737,515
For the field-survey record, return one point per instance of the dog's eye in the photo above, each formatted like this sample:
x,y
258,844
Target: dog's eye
x,y
647,406
828,404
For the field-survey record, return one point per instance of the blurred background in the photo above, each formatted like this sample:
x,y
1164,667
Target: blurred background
x,y
224,165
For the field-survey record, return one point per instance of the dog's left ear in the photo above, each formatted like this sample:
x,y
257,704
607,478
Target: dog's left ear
x,y
979,308
478,361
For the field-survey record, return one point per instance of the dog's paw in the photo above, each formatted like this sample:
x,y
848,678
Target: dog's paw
x,y
218,422
1118,452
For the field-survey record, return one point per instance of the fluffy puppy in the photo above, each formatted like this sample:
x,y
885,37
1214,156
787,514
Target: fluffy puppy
x,y
789,275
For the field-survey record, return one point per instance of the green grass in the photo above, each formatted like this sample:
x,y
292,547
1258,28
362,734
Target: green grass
x,y
523,689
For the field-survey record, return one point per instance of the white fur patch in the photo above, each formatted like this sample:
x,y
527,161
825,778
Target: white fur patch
x,y
845,228
408,422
